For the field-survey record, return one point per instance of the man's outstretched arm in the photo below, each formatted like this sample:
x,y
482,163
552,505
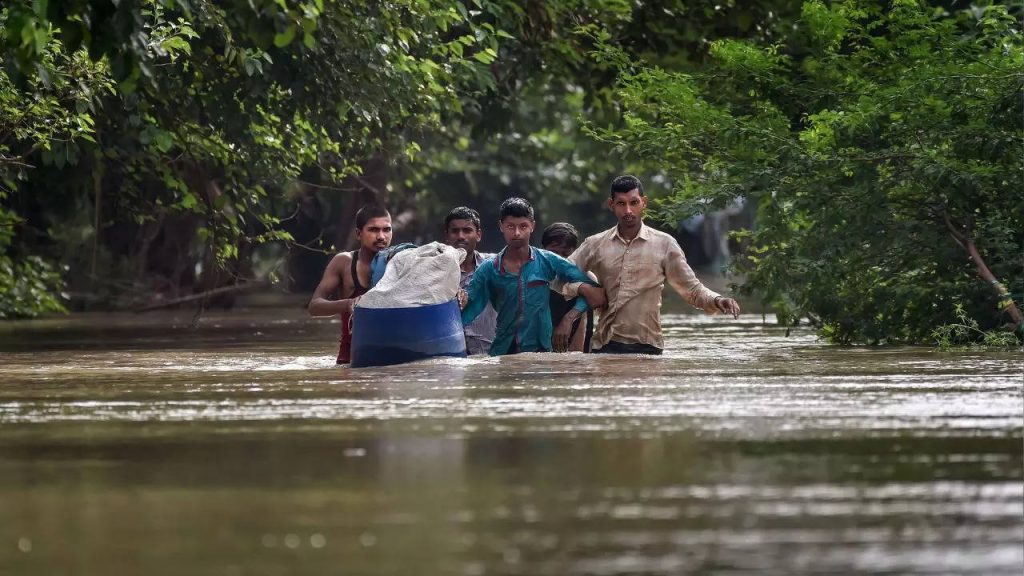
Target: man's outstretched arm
x,y
594,294
685,282
474,299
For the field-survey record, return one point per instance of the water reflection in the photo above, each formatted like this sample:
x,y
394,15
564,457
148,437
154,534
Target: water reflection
x,y
240,449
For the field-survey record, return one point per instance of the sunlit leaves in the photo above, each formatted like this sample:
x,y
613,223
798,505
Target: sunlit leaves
x,y
858,139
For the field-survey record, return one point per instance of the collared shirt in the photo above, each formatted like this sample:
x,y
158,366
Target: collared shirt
x,y
480,332
521,300
633,274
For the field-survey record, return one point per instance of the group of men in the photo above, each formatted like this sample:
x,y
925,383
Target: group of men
x,y
528,299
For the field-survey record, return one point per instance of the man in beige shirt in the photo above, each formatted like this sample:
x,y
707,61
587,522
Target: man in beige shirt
x,y
632,262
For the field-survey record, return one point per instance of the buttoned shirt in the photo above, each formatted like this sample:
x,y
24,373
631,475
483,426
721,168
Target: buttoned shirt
x,y
480,332
633,274
521,299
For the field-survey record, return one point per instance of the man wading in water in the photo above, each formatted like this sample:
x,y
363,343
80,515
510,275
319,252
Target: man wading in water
x,y
516,283
563,239
632,262
348,274
462,230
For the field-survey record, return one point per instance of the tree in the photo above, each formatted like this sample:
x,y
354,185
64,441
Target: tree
x,y
218,112
882,144
40,118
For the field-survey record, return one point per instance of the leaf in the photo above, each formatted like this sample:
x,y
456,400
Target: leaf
x,y
163,140
484,56
285,38
189,201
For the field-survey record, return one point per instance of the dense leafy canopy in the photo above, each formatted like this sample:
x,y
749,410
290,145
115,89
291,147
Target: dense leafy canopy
x,y
162,147
883,146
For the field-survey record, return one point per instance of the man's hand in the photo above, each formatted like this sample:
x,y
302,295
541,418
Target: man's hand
x,y
560,339
463,299
728,306
594,295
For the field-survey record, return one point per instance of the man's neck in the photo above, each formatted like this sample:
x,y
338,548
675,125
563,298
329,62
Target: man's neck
x,y
366,254
517,254
469,264
629,233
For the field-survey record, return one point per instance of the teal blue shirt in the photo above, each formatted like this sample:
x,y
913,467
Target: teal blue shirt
x,y
522,301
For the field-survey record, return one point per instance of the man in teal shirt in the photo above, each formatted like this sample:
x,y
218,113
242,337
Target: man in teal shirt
x,y
515,282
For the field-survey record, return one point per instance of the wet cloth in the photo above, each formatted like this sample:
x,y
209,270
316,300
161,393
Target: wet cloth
x,y
480,332
521,300
633,273
345,342
614,347
379,264
420,276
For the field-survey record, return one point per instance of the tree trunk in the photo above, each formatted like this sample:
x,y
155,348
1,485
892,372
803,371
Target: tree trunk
x,y
97,184
1004,295
963,238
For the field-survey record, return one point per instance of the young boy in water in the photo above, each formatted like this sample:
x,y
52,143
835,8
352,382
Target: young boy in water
x,y
516,282
562,239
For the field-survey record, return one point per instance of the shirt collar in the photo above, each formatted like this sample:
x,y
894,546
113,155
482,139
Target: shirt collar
x,y
497,259
643,234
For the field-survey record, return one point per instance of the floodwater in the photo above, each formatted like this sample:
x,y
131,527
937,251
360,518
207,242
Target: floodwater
x,y
135,445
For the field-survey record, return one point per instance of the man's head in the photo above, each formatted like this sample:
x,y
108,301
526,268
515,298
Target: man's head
x,y
515,218
373,227
627,201
560,238
462,228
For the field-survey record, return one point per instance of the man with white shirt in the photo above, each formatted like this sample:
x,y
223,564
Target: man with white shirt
x,y
632,262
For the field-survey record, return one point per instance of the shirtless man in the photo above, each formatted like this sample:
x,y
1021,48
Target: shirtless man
x,y
348,274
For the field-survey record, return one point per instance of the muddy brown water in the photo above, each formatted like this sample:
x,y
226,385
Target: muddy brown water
x,y
135,445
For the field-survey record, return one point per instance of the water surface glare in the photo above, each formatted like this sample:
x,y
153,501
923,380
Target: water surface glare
x,y
136,445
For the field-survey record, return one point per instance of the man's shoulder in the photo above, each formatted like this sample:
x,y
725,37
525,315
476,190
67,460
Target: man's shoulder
x,y
601,236
549,258
659,236
341,261
485,262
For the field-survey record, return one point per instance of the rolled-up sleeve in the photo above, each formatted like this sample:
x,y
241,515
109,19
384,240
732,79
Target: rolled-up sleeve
x,y
685,282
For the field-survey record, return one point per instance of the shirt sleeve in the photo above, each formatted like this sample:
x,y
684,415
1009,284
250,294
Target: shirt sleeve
x,y
570,290
685,282
566,271
478,295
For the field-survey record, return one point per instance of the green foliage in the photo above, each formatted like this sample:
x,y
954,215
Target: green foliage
x,y
965,333
28,288
207,115
878,143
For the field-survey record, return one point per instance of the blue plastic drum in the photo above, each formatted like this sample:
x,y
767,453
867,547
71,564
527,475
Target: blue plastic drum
x,y
385,336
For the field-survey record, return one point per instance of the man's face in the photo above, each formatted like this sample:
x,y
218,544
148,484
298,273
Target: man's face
x,y
516,230
628,207
463,234
562,249
376,234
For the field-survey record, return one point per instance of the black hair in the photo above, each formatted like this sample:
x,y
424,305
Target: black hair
x,y
625,183
562,234
369,212
463,213
516,208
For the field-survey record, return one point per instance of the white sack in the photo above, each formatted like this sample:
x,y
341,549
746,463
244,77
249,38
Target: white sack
x,y
420,276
